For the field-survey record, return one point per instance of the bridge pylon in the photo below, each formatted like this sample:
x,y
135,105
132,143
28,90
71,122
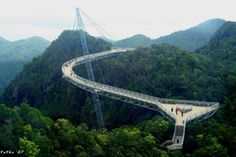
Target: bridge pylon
x,y
89,68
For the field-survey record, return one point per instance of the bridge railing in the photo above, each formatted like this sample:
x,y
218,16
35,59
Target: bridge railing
x,y
205,112
123,92
186,102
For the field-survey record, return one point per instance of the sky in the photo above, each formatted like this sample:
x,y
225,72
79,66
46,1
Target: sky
x,y
121,18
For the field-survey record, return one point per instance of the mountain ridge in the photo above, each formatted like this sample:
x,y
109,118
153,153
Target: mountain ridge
x,y
15,54
23,49
41,84
221,47
189,39
137,40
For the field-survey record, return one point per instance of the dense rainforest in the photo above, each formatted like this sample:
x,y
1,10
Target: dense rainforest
x,y
159,70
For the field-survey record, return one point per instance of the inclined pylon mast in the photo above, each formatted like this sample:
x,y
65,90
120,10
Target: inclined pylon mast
x,y
89,68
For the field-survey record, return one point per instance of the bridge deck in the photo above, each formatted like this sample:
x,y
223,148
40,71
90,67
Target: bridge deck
x,y
166,106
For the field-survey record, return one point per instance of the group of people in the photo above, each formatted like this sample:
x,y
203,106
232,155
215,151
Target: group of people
x,y
177,110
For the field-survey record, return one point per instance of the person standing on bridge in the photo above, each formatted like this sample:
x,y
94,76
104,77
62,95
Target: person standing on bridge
x,y
176,110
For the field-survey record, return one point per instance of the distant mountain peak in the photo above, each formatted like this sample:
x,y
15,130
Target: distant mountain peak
x,y
36,37
222,45
213,20
23,49
14,54
33,38
137,40
138,36
210,26
189,39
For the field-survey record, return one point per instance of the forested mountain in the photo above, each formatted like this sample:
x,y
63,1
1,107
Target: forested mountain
x,y
192,38
161,70
189,39
13,56
222,49
41,83
222,46
177,73
24,49
138,40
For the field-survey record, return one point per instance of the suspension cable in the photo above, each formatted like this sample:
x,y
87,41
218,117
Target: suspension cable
x,y
74,26
97,26
94,24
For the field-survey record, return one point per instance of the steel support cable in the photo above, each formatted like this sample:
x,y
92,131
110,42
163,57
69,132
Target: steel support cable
x,y
99,29
96,25
97,60
103,35
75,21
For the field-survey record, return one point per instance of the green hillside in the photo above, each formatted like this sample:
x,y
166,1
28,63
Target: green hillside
x,y
222,49
8,70
192,38
41,83
222,46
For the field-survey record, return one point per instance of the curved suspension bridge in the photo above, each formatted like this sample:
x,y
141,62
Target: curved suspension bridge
x,y
181,111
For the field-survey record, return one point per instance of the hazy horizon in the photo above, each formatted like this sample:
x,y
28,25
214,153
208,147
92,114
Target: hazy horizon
x,y
122,19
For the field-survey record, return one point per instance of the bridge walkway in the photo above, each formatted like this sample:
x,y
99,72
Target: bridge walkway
x,y
191,109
